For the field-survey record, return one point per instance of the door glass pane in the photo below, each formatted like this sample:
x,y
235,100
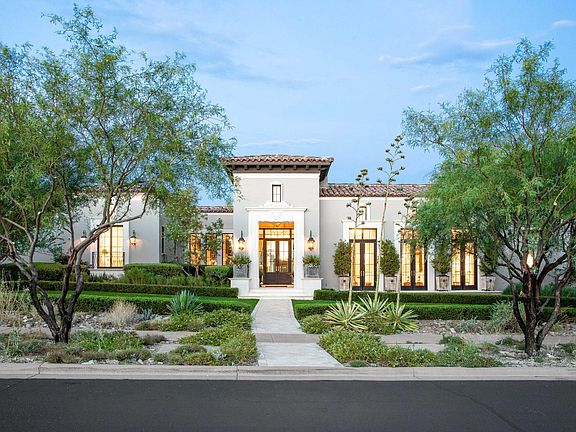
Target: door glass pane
x,y
104,252
117,246
356,266
456,273
227,249
194,249
283,256
420,274
270,256
469,268
406,258
369,250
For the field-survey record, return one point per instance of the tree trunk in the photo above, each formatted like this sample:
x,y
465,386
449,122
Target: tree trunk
x,y
531,290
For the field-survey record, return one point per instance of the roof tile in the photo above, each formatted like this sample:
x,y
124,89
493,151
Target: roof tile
x,y
372,190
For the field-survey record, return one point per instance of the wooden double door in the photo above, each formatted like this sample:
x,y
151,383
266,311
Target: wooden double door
x,y
276,256
364,258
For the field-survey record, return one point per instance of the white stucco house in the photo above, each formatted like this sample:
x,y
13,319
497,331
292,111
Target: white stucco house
x,y
284,208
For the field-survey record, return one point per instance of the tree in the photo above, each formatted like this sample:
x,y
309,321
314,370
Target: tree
x,y
96,124
508,177
341,258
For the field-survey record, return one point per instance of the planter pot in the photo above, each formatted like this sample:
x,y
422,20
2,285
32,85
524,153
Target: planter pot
x,y
311,272
390,283
343,282
241,271
442,282
489,282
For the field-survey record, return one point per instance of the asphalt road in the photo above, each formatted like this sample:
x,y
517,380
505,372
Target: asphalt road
x,y
115,405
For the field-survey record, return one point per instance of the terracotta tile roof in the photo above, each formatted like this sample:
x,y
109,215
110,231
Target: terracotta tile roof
x,y
279,159
373,190
215,209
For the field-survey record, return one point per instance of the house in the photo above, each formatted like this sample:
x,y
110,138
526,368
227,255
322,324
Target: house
x,y
285,208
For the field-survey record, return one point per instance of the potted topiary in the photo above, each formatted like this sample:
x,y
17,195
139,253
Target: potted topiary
x,y
241,265
389,265
342,264
311,266
441,263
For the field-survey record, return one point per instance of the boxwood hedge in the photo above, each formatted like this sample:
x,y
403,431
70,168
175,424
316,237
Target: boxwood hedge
x,y
149,289
161,269
46,271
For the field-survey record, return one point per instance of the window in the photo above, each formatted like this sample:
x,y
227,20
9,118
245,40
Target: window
x,y
363,214
227,252
111,248
413,261
276,193
463,263
211,254
195,249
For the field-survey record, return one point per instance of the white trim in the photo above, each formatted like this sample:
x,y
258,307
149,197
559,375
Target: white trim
x,y
276,175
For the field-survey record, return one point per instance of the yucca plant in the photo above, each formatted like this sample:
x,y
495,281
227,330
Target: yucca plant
x,y
374,306
347,316
401,320
185,302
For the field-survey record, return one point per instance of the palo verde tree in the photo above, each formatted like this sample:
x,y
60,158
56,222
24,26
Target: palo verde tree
x,y
508,179
96,125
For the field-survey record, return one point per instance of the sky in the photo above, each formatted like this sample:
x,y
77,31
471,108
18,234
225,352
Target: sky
x,y
323,77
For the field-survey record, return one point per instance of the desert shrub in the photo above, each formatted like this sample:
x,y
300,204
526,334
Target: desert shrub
x,y
106,341
16,344
150,325
512,343
240,349
152,339
229,317
358,363
160,357
59,355
184,302
400,318
464,355
132,354
569,348
184,322
452,340
346,346
502,318
346,316
396,356
192,359
94,355
315,324
147,314
471,325
213,335
13,304
121,314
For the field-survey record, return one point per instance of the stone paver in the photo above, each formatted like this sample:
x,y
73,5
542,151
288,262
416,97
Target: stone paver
x,y
294,354
274,316
287,338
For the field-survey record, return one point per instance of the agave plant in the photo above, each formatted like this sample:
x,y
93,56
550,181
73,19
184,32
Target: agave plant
x,y
401,320
347,316
184,302
374,306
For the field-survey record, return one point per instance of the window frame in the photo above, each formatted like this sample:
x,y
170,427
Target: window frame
x,y
109,245
276,197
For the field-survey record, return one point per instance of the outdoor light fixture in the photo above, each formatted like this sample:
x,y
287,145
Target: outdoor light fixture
x,y
133,238
529,260
83,238
311,242
241,241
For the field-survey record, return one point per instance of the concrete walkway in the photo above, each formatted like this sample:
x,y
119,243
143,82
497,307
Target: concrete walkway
x,y
281,342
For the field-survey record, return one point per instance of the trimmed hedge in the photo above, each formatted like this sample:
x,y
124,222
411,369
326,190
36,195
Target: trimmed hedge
x,y
432,297
304,308
148,289
161,269
96,303
46,271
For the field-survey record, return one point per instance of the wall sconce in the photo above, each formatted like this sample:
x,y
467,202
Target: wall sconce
x,y
83,238
530,260
311,242
241,241
133,238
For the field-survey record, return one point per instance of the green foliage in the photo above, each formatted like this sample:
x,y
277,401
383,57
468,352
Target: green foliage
x,y
397,356
152,339
184,302
132,355
227,317
161,269
346,346
212,335
452,340
341,258
315,324
464,355
106,341
502,318
442,260
240,259
389,259
412,297
218,274
192,355
184,322
346,316
311,260
240,349
400,318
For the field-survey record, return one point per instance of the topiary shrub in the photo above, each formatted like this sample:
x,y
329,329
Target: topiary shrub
x,y
219,274
389,259
442,261
341,258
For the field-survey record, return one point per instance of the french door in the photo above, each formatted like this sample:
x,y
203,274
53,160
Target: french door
x,y
464,266
276,256
364,258
413,263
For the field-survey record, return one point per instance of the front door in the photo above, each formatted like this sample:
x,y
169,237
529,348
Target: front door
x,y
276,254
364,259
413,263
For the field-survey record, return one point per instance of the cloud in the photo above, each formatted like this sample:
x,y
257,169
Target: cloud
x,y
283,142
563,23
450,45
423,88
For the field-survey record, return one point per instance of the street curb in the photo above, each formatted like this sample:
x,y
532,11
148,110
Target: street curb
x,y
259,373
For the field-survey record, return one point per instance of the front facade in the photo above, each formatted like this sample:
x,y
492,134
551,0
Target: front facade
x,y
285,209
